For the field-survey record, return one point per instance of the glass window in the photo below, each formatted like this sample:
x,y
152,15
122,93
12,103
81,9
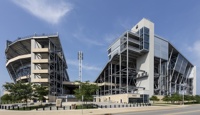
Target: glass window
x,y
109,51
146,30
146,46
109,56
141,31
146,38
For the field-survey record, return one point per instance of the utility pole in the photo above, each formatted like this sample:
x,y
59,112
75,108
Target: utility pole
x,y
80,58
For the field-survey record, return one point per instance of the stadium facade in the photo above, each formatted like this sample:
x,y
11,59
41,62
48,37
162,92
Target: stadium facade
x,y
38,59
142,64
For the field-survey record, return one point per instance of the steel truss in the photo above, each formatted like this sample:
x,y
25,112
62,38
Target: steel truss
x,y
120,74
170,79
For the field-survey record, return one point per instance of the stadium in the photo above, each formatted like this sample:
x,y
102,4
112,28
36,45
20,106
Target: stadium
x,y
38,59
142,64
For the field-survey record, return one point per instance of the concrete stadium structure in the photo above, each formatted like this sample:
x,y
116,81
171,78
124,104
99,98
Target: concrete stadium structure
x,y
142,64
38,59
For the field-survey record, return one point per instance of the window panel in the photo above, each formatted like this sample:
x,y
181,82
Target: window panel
x,y
146,30
146,45
146,38
160,48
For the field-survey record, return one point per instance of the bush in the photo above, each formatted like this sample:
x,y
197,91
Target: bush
x,y
154,98
86,106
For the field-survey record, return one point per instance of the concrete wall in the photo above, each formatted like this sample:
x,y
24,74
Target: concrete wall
x,y
32,58
119,98
52,98
146,61
194,75
39,62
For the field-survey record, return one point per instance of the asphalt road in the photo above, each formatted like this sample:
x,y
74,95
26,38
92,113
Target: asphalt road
x,y
187,110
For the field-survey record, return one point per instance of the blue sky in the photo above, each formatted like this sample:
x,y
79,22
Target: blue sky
x,y
91,25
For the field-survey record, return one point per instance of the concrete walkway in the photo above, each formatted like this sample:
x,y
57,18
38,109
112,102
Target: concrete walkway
x,y
90,111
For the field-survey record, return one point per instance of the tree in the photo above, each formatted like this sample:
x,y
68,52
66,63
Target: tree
x,y
166,98
197,98
187,97
19,91
86,90
154,98
193,98
176,97
39,92
6,98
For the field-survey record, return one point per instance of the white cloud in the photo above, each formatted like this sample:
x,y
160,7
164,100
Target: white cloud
x,y
125,23
81,36
47,10
86,67
109,38
195,48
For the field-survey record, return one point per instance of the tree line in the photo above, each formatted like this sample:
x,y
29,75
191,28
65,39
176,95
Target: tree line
x,y
18,92
23,92
177,98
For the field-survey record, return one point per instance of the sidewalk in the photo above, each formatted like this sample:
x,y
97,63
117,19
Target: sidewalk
x,y
89,111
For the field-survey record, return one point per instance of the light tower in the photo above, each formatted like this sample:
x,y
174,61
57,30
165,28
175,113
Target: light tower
x,y
80,59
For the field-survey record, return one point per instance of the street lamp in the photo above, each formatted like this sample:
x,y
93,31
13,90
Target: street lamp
x,y
183,96
183,92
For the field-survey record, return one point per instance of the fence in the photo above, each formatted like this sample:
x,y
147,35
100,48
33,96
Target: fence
x,y
5,107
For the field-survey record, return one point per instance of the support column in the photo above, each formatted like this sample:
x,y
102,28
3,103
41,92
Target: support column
x,y
14,72
127,74
23,71
169,75
33,46
49,67
178,76
176,83
108,78
120,75
111,78
160,77
115,79
104,81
